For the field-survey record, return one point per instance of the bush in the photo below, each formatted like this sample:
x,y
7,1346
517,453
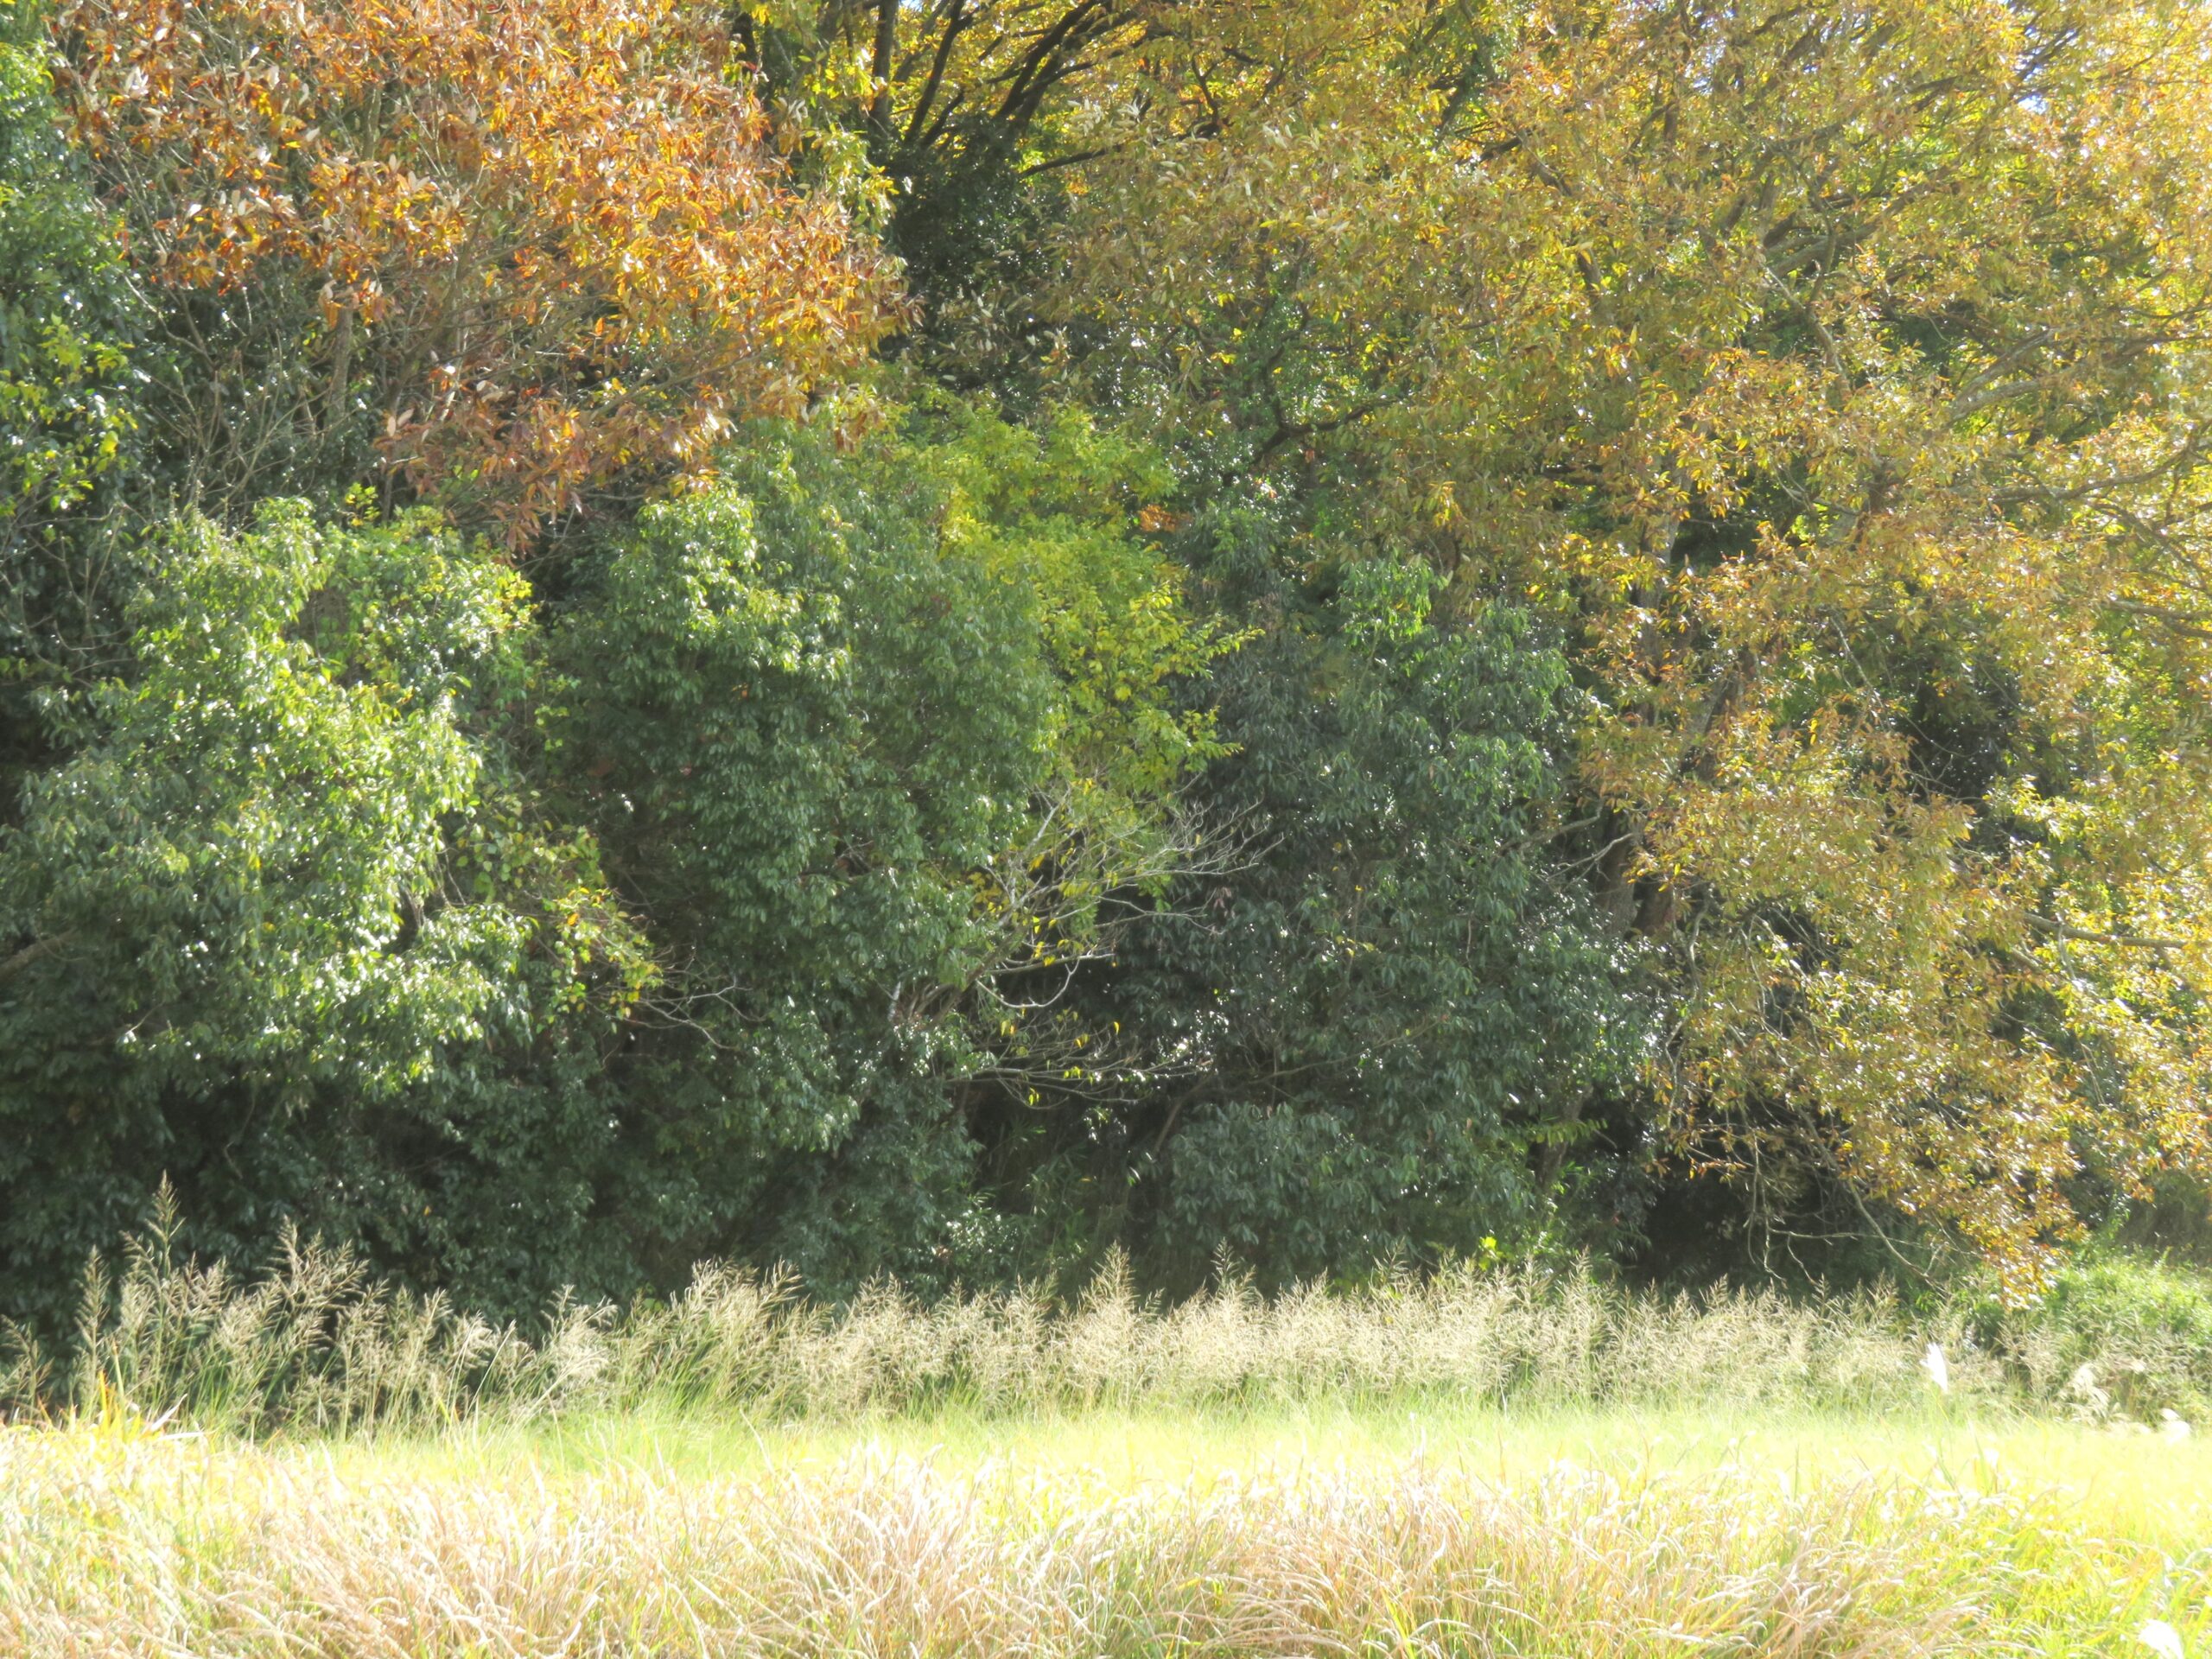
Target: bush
x,y
2119,1336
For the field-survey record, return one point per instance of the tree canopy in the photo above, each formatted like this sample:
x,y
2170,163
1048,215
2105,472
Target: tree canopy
x,y
941,637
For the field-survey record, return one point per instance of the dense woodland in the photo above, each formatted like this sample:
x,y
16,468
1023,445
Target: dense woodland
x,y
941,637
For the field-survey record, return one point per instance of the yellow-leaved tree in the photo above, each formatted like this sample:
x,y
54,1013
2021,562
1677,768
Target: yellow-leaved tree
x,y
1836,377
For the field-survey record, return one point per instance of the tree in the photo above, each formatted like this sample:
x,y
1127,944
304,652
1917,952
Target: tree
x,y
68,424
265,931
862,747
508,255
1378,1033
1834,377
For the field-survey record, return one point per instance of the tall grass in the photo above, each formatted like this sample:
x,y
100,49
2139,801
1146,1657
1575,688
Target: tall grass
x,y
122,1544
126,1530
316,1345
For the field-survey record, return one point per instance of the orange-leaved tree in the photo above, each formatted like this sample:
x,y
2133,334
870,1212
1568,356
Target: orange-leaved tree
x,y
536,248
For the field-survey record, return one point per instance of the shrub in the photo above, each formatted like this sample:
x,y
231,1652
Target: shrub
x,y
284,908
2118,1335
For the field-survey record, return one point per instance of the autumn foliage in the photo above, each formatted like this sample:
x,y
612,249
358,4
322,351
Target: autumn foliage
x,y
1388,629
552,244
1835,376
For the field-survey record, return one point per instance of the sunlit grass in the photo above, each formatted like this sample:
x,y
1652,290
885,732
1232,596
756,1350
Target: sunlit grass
x,y
314,1345
2140,1485
1280,1530
312,1464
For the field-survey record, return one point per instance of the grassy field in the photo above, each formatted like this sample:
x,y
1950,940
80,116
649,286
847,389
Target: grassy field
x,y
1507,1463
1283,1531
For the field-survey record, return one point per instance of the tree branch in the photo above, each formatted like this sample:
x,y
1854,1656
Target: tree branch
x,y
31,953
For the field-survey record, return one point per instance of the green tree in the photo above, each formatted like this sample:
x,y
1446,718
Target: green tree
x,y
1379,1031
863,737
68,387
260,913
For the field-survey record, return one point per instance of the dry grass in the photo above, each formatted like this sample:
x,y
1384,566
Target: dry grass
x,y
315,1346
233,1469
116,1541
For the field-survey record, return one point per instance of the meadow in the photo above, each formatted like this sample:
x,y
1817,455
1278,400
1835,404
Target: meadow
x,y
1500,1463
1285,1531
